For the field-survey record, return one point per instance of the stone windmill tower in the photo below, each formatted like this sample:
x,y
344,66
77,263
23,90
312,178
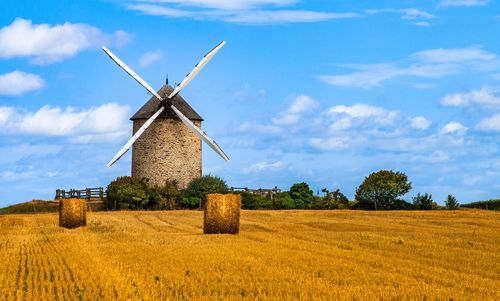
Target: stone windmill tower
x,y
168,149
167,132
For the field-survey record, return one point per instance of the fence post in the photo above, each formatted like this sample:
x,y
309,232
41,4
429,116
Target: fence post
x,y
88,192
101,194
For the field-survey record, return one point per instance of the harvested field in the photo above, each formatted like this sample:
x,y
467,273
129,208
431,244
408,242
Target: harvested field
x,y
323,255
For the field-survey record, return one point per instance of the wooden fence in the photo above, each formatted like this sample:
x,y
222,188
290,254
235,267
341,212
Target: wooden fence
x,y
87,193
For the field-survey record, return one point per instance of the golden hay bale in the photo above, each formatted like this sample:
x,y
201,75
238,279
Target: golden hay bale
x,y
72,213
222,214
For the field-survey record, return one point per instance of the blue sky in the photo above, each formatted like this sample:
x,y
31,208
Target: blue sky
x,y
319,91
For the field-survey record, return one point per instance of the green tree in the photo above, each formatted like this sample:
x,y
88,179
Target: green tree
x,y
317,203
380,190
451,202
423,201
335,199
194,195
131,193
255,201
283,200
302,195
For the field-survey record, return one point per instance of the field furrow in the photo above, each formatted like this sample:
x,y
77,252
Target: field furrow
x,y
278,255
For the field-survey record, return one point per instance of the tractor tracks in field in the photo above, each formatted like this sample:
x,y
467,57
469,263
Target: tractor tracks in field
x,y
67,286
43,273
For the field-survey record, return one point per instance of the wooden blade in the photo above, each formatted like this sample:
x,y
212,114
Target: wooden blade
x,y
200,134
196,69
131,73
136,136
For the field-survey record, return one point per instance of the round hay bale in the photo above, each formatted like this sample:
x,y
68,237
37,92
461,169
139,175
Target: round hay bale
x,y
222,214
72,213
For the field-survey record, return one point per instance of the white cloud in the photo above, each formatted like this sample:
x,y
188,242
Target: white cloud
x,y
413,13
491,124
263,166
422,23
252,12
248,93
453,55
258,128
45,43
157,10
332,143
285,16
345,117
453,127
17,83
437,156
420,123
227,4
372,75
107,121
423,85
482,97
150,57
463,2
5,114
300,105
434,63
10,154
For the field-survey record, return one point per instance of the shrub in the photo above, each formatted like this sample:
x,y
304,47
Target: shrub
x,y
194,195
402,205
380,190
423,201
451,202
171,195
301,194
131,193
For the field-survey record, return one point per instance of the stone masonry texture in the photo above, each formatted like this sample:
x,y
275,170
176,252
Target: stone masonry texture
x,y
167,150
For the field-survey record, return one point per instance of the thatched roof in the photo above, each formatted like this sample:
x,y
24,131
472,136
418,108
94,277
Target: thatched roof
x,y
153,105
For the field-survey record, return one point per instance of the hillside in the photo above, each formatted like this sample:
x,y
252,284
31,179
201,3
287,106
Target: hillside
x,y
280,255
35,206
490,205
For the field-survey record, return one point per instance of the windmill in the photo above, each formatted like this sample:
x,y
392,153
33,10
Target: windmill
x,y
166,100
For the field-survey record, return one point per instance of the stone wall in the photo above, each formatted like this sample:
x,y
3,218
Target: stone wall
x,y
167,150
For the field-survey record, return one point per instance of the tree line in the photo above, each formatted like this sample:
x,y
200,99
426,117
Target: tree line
x,y
382,190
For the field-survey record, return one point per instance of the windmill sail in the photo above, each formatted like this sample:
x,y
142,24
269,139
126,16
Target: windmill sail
x,y
131,73
136,136
203,136
196,69
177,89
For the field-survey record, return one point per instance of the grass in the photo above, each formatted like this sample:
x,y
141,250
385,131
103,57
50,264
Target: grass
x,y
280,255
35,206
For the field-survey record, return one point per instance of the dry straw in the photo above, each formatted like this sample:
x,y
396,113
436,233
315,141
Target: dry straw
x,y
222,214
72,213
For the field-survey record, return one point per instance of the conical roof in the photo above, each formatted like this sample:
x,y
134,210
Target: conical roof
x,y
153,105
